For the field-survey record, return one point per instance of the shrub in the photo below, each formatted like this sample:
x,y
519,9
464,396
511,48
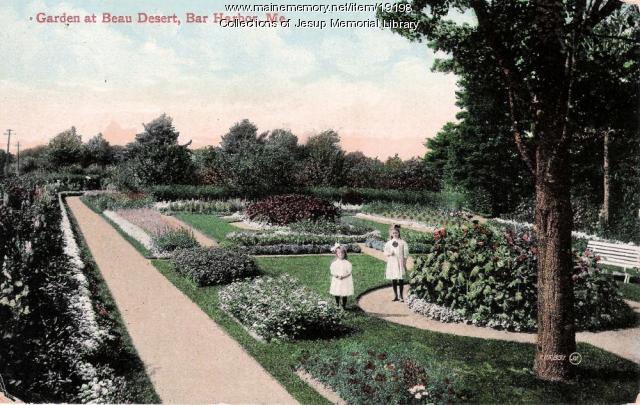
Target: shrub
x,y
444,199
281,308
489,276
176,192
285,209
115,201
293,249
173,239
211,266
364,376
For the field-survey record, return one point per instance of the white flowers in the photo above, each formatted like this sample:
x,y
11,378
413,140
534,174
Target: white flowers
x,y
419,391
99,386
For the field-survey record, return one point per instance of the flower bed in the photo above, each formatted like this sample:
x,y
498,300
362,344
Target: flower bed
x,y
211,266
281,308
329,228
51,337
275,238
285,209
489,276
414,247
133,231
115,201
222,207
155,233
289,249
362,376
422,214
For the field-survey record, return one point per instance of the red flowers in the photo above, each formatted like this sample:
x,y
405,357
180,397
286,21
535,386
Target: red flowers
x,y
439,233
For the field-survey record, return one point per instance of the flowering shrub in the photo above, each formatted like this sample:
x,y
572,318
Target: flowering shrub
x,y
275,238
51,337
489,276
173,239
290,249
363,376
281,308
285,209
211,266
114,201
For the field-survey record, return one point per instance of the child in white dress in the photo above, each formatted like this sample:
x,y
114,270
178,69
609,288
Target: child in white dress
x,y
341,279
397,251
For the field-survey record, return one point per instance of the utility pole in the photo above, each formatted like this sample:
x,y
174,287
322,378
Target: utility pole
x,y
6,163
18,160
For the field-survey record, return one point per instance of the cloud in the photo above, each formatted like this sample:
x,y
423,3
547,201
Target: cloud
x,y
367,84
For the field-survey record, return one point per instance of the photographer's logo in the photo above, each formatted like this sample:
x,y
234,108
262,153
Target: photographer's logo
x,y
575,358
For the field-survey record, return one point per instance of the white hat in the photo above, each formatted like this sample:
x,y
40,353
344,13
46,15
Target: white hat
x,y
335,247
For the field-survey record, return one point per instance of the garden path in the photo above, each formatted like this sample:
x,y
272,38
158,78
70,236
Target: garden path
x,y
189,358
202,239
622,342
416,226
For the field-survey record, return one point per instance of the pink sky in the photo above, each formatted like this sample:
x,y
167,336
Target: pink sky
x,y
373,87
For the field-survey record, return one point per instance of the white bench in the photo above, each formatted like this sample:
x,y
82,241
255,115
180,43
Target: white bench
x,y
614,254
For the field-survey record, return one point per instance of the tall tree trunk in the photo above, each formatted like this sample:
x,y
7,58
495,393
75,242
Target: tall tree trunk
x,y
606,180
554,220
552,57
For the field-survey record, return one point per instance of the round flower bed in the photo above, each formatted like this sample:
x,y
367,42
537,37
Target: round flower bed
x,y
488,277
285,209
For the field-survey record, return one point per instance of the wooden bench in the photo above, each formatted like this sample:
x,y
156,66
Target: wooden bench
x,y
625,256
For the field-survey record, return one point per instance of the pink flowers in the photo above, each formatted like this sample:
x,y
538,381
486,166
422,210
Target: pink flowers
x,y
439,233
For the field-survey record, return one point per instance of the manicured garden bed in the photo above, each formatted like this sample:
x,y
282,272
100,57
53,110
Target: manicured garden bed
x,y
471,364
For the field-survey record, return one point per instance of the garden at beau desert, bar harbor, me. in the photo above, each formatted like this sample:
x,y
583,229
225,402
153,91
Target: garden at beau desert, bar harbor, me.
x,y
501,266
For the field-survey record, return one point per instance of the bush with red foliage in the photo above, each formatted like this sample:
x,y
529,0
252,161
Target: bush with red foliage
x,y
285,209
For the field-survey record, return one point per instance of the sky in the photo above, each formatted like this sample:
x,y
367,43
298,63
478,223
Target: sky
x,y
374,87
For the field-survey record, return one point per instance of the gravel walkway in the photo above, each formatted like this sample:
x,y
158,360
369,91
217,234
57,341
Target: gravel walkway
x,y
622,342
189,358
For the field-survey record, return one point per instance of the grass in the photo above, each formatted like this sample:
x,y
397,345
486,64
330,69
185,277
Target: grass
x,y
630,291
209,224
484,370
120,353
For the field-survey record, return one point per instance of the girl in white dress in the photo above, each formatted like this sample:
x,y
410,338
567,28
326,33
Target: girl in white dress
x,y
397,251
341,280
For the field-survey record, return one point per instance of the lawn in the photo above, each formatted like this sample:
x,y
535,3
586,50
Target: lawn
x,y
630,291
209,224
474,364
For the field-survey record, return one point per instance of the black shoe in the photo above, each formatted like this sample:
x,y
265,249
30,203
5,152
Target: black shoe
x,y
395,299
401,299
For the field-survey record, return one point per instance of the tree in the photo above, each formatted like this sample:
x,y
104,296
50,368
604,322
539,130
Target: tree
x,y
254,164
155,157
241,134
98,151
530,47
361,171
324,159
65,149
